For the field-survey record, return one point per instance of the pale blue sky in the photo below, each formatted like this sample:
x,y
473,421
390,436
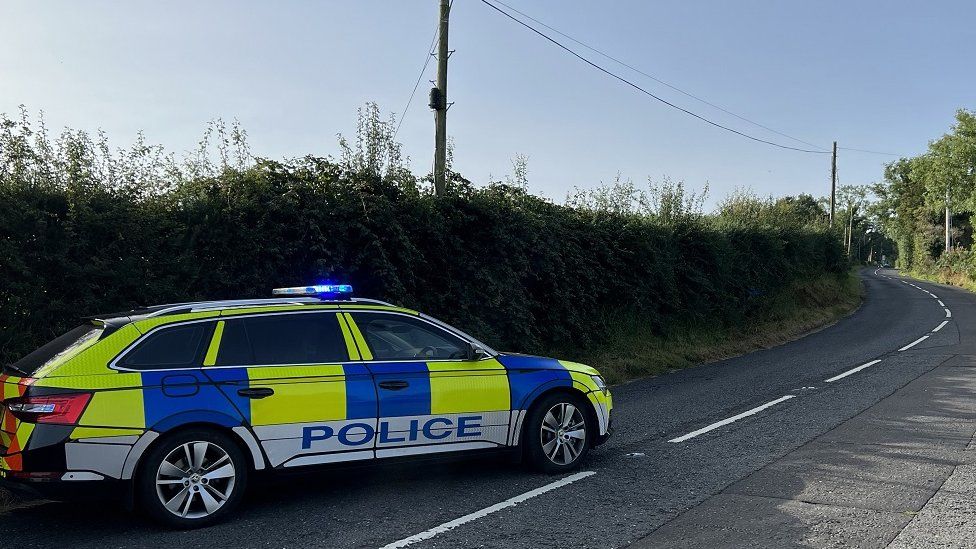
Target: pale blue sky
x,y
883,75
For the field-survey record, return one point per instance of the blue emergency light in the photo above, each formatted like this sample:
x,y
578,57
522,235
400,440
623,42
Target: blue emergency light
x,y
333,291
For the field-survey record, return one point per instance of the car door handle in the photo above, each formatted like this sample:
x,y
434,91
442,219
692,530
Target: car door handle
x,y
256,392
394,385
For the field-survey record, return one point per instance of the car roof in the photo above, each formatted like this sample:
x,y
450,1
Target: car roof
x,y
118,319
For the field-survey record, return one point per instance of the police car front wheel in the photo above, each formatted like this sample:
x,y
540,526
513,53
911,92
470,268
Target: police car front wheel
x,y
558,433
192,478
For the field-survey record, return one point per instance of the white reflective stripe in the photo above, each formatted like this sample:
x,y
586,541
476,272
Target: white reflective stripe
x,y
603,416
517,418
81,475
257,458
125,439
137,450
433,449
329,458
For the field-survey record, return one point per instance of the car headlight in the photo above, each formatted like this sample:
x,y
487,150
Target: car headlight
x,y
600,384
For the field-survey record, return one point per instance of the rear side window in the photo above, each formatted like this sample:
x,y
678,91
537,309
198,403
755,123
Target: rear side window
x,y
397,337
175,347
308,338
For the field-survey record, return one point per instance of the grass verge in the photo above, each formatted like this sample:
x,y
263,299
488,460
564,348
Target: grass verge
x,y
799,309
946,276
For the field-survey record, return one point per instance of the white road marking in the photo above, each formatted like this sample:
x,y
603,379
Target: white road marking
x,y
448,526
940,326
852,371
941,304
914,343
726,421
948,313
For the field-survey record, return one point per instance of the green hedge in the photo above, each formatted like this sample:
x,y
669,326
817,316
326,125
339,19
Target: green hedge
x,y
519,272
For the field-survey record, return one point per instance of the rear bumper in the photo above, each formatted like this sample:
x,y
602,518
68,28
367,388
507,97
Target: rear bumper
x,y
88,490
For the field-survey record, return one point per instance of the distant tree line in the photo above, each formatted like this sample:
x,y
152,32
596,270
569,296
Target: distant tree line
x,y
913,197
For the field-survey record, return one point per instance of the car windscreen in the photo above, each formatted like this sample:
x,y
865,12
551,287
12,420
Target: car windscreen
x,y
63,345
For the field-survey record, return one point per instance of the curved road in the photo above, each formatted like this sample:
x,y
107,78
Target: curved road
x,y
675,455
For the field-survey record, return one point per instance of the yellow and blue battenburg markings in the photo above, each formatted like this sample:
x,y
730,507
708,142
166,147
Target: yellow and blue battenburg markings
x,y
315,409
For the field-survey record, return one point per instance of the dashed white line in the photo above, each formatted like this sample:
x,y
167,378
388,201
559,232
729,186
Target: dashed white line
x,y
914,343
726,421
941,304
948,313
448,526
852,371
940,326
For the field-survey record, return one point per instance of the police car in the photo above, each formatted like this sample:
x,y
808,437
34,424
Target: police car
x,y
181,403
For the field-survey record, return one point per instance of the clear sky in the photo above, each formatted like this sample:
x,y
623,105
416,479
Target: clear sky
x,y
881,74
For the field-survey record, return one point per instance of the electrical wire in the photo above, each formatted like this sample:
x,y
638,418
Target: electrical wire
x,y
642,90
869,152
658,80
430,54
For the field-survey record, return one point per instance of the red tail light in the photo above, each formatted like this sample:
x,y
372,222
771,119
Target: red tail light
x,y
57,409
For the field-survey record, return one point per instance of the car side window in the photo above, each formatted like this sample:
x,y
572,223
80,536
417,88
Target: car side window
x,y
235,349
398,337
180,346
305,338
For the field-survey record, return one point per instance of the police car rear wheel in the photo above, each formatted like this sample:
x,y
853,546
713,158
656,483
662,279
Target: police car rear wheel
x,y
558,433
192,479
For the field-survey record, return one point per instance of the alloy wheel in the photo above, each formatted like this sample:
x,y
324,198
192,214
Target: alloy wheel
x,y
563,433
195,479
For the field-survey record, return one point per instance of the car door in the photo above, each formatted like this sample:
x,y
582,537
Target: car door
x,y
431,396
292,374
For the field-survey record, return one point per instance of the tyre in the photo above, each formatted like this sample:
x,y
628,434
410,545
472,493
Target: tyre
x,y
558,433
191,479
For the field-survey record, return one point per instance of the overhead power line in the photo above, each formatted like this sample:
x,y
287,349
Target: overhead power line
x,y
642,90
430,54
869,152
656,79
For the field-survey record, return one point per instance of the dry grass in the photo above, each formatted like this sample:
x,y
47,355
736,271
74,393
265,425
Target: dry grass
x,y
946,276
803,307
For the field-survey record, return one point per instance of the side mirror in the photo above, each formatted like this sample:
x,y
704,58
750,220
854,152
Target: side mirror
x,y
476,353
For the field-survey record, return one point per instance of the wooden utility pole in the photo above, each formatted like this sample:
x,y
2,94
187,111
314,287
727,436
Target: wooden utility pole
x,y
948,223
833,183
438,102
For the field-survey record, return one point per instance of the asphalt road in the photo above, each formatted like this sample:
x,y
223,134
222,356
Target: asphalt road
x,y
644,490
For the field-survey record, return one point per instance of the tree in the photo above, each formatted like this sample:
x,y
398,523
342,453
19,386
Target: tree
x,y
853,201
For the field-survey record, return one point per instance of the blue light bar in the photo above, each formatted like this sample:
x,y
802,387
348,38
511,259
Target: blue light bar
x,y
335,290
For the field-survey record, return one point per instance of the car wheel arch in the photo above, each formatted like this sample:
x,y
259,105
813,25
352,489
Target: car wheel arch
x,y
573,391
240,435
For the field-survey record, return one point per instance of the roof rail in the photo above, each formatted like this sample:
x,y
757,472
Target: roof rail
x,y
230,303
222,304
372,301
